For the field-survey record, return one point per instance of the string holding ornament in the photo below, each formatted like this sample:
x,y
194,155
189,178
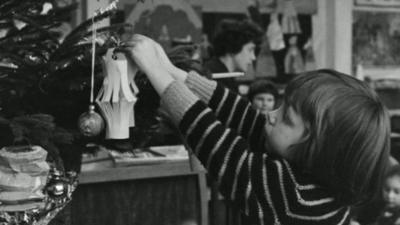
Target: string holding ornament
x,y
90,123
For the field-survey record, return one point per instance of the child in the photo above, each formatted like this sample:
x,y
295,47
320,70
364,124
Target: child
x,y
263,96
318,156
390,215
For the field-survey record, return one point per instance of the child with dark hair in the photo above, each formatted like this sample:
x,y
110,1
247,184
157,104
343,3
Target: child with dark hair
x,y
234,44
317,156
263,95
390,215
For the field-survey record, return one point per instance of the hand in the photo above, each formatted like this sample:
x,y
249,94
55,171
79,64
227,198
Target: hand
x,y
174,71
142,51
162,56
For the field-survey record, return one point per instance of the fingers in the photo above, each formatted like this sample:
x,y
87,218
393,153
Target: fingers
x,y
146,53
161,53
121,49
138,38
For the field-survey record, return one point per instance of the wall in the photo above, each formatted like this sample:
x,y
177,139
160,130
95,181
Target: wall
x,y
333,34
240,6
332,22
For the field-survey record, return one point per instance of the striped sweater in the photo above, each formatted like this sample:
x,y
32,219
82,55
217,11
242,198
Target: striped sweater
x,y
226,134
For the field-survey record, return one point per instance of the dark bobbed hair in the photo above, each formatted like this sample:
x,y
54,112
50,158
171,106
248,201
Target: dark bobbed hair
x,y
347,142
262,86
231,35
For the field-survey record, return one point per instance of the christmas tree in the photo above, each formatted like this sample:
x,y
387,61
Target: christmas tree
x,y
45,80
45,74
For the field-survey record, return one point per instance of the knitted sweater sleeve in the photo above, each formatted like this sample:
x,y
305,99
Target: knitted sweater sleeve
x,y
266,189
231,109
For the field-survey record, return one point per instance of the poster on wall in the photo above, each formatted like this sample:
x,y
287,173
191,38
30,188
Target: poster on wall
x,y
376,42
166,21
381,3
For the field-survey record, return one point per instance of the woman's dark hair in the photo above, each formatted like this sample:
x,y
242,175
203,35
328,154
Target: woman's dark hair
x,y
231,35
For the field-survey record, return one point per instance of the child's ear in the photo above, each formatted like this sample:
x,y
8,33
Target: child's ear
x,y
305,137
306,134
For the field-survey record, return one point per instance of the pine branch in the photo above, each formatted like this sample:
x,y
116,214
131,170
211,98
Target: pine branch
x,y
6,25
7,7
71,51
21,37
61,14
11,70
83,27
43,29
6,3
18,6
10,57
105,33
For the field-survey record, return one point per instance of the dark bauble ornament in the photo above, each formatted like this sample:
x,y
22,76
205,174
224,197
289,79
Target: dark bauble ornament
x,y
90,123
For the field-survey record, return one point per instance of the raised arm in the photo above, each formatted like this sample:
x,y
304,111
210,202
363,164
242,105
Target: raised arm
x,y
231,109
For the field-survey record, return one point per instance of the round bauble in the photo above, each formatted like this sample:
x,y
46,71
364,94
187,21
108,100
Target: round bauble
x,y
90,123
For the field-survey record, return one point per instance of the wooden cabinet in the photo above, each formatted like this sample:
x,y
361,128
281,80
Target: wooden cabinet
x,y
166,193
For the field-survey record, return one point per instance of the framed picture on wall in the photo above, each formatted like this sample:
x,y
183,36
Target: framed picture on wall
x,y
379,3
376,43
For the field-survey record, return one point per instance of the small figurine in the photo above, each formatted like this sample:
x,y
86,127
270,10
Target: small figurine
x,y
293,60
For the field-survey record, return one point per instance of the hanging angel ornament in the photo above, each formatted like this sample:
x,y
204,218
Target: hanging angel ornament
x,y
117,97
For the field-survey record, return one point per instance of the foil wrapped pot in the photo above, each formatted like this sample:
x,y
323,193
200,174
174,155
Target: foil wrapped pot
x,y
32,191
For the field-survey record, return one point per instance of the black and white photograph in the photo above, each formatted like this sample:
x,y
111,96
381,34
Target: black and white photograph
x,y
199,112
